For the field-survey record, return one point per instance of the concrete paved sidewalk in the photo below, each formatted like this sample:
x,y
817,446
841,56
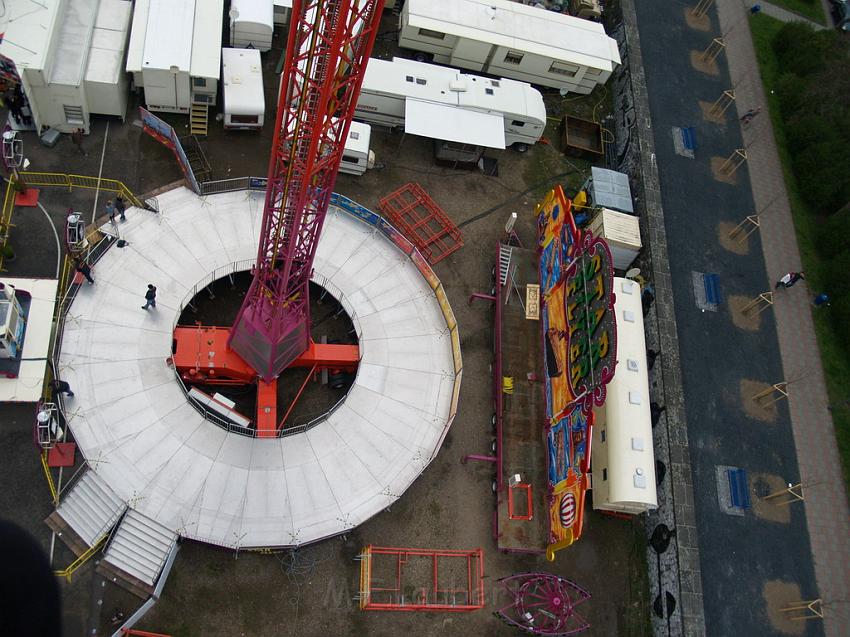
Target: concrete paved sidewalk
x,y
814,436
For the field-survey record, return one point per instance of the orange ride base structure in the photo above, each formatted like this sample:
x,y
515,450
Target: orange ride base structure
x,y
201,355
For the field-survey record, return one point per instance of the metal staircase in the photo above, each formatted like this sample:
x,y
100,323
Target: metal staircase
x,y
137,552
86,513
198,118
505,254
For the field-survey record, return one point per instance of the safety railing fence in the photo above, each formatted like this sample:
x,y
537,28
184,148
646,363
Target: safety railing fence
x,y
81,181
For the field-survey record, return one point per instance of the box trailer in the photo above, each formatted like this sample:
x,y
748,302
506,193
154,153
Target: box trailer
x,y
622,234
252,24
244,99
357,158
446,104
511,40
175,52
72,64
623,464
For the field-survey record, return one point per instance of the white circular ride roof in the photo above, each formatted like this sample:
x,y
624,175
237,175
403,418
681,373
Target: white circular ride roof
x,y
137,431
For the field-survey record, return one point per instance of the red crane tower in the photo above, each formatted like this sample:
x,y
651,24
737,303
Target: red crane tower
x,y
327,51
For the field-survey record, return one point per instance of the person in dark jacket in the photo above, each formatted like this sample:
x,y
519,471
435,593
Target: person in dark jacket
x,y
150,297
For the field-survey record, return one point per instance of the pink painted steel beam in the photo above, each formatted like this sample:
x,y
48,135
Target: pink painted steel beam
x,y
326,55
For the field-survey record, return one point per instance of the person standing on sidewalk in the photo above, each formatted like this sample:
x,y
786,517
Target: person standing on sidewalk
x,y
83,268
747,117
150,297
789,279
821,300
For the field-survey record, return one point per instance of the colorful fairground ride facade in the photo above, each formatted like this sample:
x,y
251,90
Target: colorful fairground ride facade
x,y
580,352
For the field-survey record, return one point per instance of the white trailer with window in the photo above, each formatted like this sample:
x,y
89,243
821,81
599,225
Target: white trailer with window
x,y
623,462
175,52
511,40
446,104
252,24
242,78
357,158
68,56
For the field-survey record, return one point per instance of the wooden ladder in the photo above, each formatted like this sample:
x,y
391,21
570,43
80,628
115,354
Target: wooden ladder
x,y
198,118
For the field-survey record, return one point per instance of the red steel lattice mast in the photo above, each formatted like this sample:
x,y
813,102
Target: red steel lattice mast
x,y
328,47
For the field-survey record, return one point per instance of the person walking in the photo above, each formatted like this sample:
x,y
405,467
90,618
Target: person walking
x,y
84,269
150,297
821,300
110,209
77,138
789,279
62,387
747,117
120,206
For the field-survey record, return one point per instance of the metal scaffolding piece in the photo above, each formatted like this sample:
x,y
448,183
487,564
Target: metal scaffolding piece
x,y
421,579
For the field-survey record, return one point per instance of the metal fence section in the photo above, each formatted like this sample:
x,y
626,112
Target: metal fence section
x,y
231,185
81,181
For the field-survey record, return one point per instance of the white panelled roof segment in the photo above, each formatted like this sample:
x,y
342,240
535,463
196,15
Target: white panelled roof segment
x,y
106,58
516,26
242,74
452,124
134,425
631,460
72,42
26,26
138,35
206,39
168,34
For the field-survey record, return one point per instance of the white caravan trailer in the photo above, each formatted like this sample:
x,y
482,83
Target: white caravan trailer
x,y
242,78
357,158
251,24
445,104
68,57
175,52
511,40
623,463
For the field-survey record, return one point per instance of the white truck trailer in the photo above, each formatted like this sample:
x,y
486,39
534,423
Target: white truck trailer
x,y
242,78
175,52
445,104
68,56
357,158
511,40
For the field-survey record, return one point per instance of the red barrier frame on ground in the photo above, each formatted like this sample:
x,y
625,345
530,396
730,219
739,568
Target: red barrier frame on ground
x,y
437,596
422,221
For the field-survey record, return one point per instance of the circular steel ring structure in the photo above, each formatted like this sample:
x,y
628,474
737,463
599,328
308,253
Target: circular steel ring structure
x,y
140,435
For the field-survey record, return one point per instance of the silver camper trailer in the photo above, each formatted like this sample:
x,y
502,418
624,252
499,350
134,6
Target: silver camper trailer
x,y
511,40
466,113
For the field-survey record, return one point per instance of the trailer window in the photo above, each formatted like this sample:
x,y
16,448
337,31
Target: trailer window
x,y
494,82
428,33
489,91
354,134
350,159
593,72
199,82
517,123
604,475
513,57
245,119
563,69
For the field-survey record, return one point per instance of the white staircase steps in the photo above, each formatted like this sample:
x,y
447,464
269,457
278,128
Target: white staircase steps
x,y
505,254
86,513
137,552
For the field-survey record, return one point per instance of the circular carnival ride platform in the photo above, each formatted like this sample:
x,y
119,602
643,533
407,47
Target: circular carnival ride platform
x,y
138,431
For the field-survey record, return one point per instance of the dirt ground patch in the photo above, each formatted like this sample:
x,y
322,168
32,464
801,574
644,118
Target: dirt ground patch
x,y
736,245
766,412
778,595
764,484
751,321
